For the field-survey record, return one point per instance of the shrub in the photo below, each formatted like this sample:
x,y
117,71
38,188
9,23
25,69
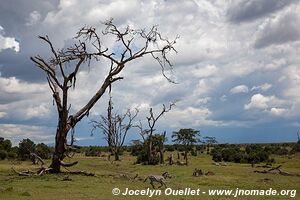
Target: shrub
x,y
43,151
93,151
217,154
3,154
141,157
5,144
194,152
26,146
296,147
170,148
12,155
233,153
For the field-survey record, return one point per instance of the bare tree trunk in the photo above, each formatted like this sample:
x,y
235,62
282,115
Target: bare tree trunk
x,y
186,158
162,160
117,155
161,149
150,156
171,160
59,152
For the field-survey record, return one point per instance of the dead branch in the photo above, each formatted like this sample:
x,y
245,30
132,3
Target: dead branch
x,y
82,173
36,159
277,170
39,172
64,164
288,174
115,128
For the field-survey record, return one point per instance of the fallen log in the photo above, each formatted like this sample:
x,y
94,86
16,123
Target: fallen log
x,y
288,174
278,171
82,173
40,172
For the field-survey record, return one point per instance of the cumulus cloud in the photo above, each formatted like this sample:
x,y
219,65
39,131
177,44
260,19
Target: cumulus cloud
x,y
8,42
278,111
239,89
259,101
23,101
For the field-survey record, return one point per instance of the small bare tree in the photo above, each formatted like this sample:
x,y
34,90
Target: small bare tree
x,y
63,67
115,129
147,134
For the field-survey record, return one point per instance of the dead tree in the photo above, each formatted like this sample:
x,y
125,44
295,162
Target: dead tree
x,y
147,134
63,67
115,129
36,159
162,148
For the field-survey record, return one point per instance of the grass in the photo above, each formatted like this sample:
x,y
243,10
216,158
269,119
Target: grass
x,y
109,176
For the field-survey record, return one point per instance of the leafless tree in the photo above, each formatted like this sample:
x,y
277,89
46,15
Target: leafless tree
x,y
147,134
63,67
115,129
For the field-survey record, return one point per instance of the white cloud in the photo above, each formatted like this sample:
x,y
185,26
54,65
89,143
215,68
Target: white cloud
x,y
23,100
223,98
275,64
278,111
38,111
8,42
264,87
34,18
2,114
207,71
14,85
239,89
17,132
259,101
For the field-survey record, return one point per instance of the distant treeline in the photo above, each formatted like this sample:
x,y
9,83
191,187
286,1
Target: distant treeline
x,y
240,153
23,151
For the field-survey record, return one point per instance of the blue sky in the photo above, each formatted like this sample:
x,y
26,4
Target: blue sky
x,y
237,67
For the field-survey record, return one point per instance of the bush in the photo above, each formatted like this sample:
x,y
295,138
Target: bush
x,y
5,144
26,146
296,147
3,154
136,149
141,157
170,148
228,154
12,155
93,151
233,153
194,152
217,154
43,151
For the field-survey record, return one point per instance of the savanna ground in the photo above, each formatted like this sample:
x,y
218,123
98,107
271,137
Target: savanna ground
x,y
111,175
